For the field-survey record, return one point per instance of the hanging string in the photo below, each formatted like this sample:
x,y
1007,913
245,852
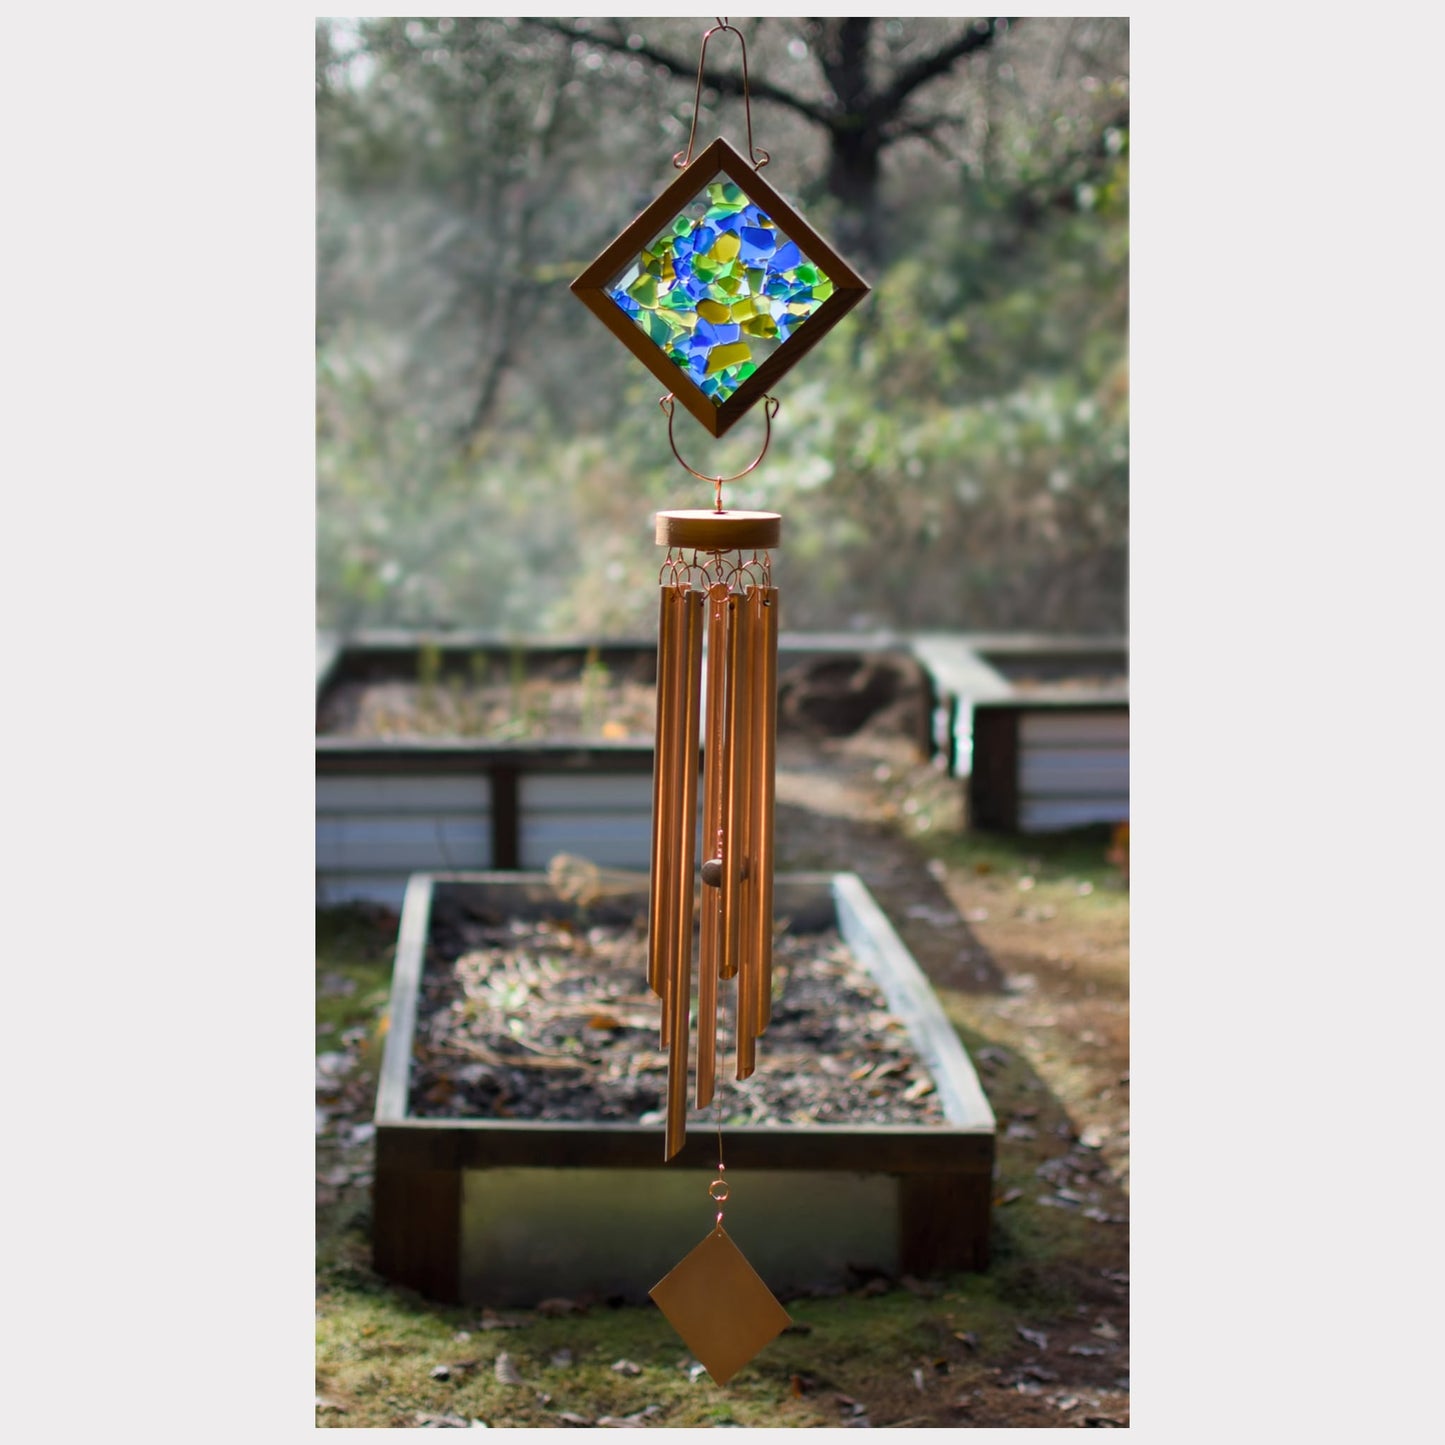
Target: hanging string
x,y
719,1190
756,154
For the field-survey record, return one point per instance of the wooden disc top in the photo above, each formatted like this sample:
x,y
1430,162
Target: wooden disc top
x,y
719,531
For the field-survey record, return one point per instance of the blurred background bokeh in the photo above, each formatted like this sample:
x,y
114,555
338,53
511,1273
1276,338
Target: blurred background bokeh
x,y
954,455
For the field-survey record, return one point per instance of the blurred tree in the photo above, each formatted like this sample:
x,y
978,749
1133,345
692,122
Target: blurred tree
x,y
864,98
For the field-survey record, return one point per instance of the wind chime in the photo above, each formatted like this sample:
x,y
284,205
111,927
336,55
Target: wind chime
x,y
718,287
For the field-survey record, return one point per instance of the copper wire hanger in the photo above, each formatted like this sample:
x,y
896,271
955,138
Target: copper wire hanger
x,y
757,155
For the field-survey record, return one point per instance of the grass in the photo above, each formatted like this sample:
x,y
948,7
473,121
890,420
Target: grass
x,y
353,973
376,1345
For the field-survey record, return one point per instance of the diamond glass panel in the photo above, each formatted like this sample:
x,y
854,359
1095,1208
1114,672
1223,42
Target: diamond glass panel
x,y
721,287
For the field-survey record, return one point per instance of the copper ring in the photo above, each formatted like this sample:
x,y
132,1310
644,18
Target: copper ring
x,y
719,1198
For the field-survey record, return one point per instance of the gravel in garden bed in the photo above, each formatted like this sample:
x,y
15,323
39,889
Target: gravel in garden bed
x,y
549,1020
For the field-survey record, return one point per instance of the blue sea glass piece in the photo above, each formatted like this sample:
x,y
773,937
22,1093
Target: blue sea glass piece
x,y
787,256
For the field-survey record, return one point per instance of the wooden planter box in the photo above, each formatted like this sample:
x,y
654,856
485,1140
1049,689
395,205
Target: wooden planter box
x,y
388,809
498,1211
1043,766
1038,725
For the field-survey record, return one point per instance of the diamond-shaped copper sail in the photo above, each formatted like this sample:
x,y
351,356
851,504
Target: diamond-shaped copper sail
x,y
716,1301
719,287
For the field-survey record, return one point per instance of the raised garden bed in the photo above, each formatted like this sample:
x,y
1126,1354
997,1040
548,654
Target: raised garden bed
x,y
1038,725
480,753
1049,762
507,1209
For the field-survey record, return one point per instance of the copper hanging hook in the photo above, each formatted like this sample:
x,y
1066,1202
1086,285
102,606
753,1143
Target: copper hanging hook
x,y
770,410
756,154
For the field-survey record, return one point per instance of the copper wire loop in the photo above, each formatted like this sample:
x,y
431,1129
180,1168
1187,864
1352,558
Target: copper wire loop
x,y
686,569
756,154
770,409
714,1195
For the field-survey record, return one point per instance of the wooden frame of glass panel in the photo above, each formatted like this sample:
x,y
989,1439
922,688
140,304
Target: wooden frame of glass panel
x,y
718,159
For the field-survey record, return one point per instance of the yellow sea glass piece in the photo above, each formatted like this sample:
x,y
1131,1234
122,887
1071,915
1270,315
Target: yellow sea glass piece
x,y
726,246
724,356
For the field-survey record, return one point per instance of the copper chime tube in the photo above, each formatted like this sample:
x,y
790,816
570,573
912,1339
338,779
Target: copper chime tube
x,y
679,830
664,783
764,602
735,924
719,616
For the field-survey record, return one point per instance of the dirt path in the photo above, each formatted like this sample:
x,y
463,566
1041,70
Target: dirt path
x,y
1032,967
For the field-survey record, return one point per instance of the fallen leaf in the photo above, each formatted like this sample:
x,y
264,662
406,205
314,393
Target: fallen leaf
x,y
918,1381
966,1338
1105,1331
441,1372
563,1359
1034,1337
1066,1402
1009,1195
505,1371
633,1420
569,1417
626,1367
923,1288
1087,1350
917,1089
556,1307
322,1404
